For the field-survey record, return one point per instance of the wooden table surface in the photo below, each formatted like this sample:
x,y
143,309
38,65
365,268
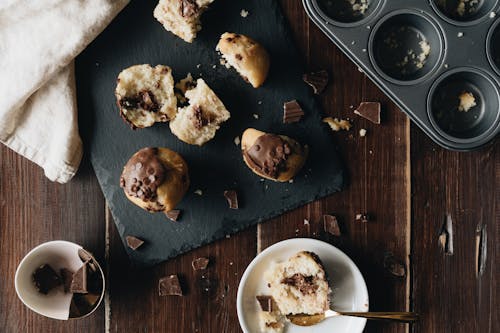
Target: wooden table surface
x,y
396,174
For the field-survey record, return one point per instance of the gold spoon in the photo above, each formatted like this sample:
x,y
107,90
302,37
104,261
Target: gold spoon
x,y
309,320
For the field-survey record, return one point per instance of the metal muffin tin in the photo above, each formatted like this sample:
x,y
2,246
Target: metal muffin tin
x,y
423,54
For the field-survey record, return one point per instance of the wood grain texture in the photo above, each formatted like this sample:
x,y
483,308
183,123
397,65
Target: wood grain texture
x,y
447,289
34,210
378,168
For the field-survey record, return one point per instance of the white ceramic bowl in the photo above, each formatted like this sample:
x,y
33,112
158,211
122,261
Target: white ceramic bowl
x,y
349,287
58,254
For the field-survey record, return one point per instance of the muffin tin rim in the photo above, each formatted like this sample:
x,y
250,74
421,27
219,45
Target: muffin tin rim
x,y
458,23
379,6
489,41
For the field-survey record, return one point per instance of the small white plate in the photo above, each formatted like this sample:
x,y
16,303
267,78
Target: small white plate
x,y
348,286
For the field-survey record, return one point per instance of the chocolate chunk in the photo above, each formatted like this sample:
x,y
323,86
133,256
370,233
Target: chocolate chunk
x,y
362,218
370,111
330,225
292,112
394,267
46,279
232,198
199,120
86,257
268,155
145,164
133,242
317,80
173,214
169,286
265,302
67,277
188,8
305,284
238,57
79,281
145,100
200,263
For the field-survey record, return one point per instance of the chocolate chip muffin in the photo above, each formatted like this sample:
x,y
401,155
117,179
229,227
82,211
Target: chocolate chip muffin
x,y
181,17
299,285
155,179
145,95
198,122
275,157
248,57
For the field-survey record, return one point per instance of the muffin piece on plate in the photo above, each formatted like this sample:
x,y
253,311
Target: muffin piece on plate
x,y
181,17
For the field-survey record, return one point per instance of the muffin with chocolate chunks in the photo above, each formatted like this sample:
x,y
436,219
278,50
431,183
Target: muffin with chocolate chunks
x,y
145,95
249,58
275,157
155,179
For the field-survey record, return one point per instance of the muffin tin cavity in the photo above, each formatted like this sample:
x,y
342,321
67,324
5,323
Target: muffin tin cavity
x,y
464,104
405,47
493,46
463,12
347,12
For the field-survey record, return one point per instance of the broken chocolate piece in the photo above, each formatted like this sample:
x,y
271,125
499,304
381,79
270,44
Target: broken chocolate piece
x,y
394,267
362,218
173,214
330,225
200,263
79,281
292,112
370,111
86,257
305,284
169,286
232,198
46,279
67,277
133,242
265,302
317,80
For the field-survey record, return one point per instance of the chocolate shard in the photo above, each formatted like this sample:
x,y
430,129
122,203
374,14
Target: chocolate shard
x,y
169,286
79,281
173,215
317,80
370,111
200,263
133,242
67,277
232,198
292,112
265,302
331,225
87,257
45,279
393,266
362,218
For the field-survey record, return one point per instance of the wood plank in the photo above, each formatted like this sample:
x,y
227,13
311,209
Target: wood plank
x,y
448,291
209,303
34,210
378,167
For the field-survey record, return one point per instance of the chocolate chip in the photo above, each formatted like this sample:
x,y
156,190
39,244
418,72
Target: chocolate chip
x,y
370,111
173,214
232,198
169,286
188,8
200,263
317,80
45,279
238,57
292,112
330,225
133,242
265,302
151,171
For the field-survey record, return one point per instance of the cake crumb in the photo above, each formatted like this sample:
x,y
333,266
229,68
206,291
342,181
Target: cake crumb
x,y
198,192
244,13
237,141
291,181
467,101
493,14
214,66
336,124
256,116
362,132
198,66
460,34
306,222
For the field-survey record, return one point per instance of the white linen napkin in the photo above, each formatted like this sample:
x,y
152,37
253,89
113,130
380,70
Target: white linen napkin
x,y
39,40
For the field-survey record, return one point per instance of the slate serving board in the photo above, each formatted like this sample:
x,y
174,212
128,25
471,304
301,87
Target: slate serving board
x,y
135,37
